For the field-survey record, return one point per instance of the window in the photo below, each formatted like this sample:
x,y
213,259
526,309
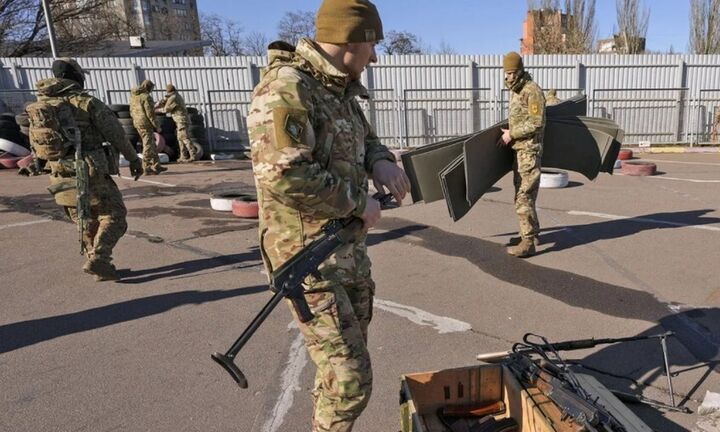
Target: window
x,y
181,2
180,12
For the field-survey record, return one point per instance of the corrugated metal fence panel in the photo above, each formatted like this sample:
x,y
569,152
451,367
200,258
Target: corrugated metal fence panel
x,y
690,119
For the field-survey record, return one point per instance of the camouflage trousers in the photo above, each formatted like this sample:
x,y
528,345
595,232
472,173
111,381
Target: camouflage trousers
x,y
526,178
187,148
337,342
107,222
150,155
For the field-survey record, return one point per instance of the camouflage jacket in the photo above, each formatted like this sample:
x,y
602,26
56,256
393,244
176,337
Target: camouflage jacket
x,y
527,112
142,109
312,152
174,105
96,122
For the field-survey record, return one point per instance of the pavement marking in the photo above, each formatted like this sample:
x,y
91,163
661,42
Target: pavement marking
x,y
683,179
640,219
681,162
148,181
19,224
440,323
298,357
290,380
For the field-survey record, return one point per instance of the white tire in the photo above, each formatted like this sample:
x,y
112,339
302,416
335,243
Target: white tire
x,y
618,164
553,179
123,162
13,148
223,201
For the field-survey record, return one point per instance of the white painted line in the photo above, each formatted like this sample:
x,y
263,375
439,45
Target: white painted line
x,y
290,380
19,224
682,179
680,162
147,181
636,219
418,316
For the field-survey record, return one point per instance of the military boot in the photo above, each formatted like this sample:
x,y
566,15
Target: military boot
x,y
159,169
514,241
102,270
525,249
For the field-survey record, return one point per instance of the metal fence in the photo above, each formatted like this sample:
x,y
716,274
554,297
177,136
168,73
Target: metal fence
x,y
415,100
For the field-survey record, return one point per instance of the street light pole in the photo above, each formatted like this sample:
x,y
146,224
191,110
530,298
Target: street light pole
x,y
50,28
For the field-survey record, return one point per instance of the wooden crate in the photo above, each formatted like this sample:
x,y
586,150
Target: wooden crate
x,y
421,394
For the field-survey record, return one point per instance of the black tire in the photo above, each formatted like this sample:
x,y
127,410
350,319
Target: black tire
x,y
22,120
125,121
166,121
192,110
9,127
119,107
123,114
196,119
7,116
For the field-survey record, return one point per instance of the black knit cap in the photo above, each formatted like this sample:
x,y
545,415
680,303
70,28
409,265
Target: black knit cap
x,y
69,69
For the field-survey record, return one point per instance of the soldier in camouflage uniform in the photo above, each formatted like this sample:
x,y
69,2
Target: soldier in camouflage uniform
x,y
97,124
552,98
312,152
525,134
142,111
174,105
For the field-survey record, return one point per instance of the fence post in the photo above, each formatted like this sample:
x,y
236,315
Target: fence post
x,y
16,75
680,83
135,74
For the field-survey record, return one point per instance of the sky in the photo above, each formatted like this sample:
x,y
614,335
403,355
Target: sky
x,y
468,26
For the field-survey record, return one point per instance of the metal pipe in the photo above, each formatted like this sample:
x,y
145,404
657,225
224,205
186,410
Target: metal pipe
x,y
663,343
50,28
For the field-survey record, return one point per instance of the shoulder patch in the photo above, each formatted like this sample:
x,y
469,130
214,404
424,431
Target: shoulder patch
x,y
534,107
289,125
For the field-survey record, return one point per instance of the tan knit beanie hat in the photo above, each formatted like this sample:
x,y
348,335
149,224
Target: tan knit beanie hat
x,y
344,21
512,62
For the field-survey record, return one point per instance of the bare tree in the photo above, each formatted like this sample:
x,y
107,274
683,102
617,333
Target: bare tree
x,y
296,25
705,26
632,23
224,34
581,26
558,31
256,43
446,48
23,30
401,42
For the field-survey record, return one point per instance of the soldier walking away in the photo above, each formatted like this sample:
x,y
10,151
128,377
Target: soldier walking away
x,y
142,112
525,135
174,105
68,128
312,152
552,98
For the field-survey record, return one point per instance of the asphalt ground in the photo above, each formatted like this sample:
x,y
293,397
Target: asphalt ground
x,y
620,256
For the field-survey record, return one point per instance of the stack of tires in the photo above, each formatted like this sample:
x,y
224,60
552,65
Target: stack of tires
x,y
169,132
198,133
123,114
24,124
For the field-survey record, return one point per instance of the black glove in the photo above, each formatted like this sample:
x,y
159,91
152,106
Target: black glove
x,y
136,168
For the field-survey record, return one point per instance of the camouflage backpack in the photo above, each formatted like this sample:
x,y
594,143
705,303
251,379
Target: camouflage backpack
x,y
53,129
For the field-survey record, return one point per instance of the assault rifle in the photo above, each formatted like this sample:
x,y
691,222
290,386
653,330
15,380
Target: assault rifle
x,y
287,280
82,177
557,385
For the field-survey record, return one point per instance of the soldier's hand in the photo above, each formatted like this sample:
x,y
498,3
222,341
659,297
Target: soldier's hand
x,y
387,175
371,214
505,139
136,168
